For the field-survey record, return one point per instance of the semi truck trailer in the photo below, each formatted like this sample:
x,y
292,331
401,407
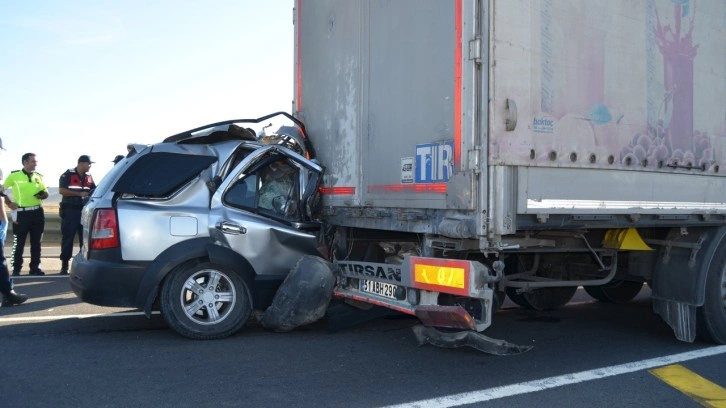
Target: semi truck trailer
x,y
477,149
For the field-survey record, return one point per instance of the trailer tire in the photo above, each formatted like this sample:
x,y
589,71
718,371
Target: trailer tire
x,y
498,300
615,291
711,319
542,298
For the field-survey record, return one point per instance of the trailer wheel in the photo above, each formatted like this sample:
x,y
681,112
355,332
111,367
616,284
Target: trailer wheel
x,y
498,299
615,291
515,297
543,298
711,317
203,301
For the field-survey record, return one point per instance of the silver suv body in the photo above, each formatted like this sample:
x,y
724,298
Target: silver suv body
x,y
205,225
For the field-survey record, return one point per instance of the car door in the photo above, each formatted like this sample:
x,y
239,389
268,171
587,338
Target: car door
x,y
272,227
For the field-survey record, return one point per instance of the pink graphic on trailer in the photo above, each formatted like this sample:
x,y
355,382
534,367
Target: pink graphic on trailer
x,y
678,53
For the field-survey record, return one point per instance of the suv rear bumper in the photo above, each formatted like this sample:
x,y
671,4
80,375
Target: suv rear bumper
x,y
105,283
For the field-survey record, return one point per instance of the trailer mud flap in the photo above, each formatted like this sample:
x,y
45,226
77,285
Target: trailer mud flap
x,y
681,317
303,296
471,339
679,283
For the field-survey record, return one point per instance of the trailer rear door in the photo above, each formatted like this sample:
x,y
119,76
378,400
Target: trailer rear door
x,y
382,87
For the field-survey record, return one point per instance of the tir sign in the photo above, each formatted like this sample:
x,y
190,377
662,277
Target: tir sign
x,y
438,275
434,162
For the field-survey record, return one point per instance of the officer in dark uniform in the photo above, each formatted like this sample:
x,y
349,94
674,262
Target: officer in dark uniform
x,y
74,185
28,194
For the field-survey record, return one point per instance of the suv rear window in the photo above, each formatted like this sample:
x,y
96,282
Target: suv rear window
x,y
160,174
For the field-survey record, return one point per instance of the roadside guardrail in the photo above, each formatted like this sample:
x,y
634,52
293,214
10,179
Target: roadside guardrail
x,y
52,232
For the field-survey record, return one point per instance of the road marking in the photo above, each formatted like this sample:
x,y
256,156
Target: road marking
x,y
494,393
61,317
686,381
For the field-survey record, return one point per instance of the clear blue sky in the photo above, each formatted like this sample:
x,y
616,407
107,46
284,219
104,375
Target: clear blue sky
x,y
88,76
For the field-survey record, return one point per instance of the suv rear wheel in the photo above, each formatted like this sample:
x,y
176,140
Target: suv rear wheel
x,y
202,301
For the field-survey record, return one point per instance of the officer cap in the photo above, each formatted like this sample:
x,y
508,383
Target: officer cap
x,y
85,159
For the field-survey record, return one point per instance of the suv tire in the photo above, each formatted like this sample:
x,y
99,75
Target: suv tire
x,y
203,301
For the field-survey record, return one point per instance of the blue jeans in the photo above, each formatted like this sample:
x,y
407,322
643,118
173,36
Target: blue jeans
x,y
3,232
5,284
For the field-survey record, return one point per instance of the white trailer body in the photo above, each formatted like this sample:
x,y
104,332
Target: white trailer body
x,y
528,130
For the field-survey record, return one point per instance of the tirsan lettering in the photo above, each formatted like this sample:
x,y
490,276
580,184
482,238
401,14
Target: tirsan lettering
x,y
367,270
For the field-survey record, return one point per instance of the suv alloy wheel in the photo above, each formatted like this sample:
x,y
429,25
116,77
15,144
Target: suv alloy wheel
x,y
201,301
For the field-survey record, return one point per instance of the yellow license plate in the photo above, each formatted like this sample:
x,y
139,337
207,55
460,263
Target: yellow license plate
x,y
439,275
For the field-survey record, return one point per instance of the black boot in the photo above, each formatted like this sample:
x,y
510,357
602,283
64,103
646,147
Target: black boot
x,y
64,268
11,298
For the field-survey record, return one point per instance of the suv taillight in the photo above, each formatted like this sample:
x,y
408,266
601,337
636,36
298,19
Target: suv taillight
x,y
104,230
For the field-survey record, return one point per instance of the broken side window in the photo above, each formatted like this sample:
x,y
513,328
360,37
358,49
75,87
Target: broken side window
x,y
271,190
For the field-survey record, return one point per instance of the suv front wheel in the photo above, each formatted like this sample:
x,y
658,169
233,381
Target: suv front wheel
x,y
202,301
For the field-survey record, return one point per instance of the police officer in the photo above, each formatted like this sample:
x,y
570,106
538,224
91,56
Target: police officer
x,y
28,192
74,185
9,296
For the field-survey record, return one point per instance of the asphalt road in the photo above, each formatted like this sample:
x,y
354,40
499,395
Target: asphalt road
x,y
57,352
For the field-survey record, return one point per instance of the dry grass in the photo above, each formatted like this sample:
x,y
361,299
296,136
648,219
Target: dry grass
x,y
51,207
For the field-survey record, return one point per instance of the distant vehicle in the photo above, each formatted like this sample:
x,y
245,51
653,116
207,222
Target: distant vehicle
x,y
188,225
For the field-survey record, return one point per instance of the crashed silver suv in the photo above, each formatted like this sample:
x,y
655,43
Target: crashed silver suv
x,y
205,225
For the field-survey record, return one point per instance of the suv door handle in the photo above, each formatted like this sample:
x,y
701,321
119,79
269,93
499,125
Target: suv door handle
x,y
231,228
